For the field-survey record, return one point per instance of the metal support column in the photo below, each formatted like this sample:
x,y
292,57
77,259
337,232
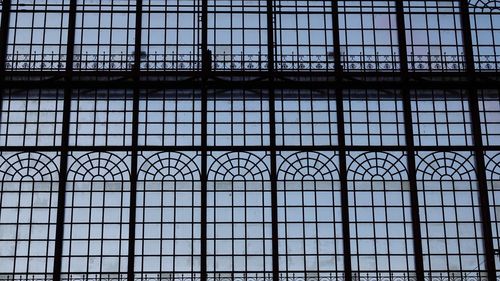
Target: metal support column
x,y
339,99
410,143
204,138
136,73
63,166
489,251
272,140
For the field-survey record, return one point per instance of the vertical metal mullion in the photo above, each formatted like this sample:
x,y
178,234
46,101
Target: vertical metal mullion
x,y
339,99
204,137
272,140
410,142
473,101
136,72
63,166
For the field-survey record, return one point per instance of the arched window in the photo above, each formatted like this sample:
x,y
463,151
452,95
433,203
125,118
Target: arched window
x,y
97,198
238,213
168,198
28,211
449,211
379,200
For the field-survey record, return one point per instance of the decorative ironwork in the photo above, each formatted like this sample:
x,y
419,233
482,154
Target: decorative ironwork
x,y
249,62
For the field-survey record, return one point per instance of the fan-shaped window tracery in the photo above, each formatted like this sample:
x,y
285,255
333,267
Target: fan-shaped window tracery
x,y
377,166
169,166
99,166
28,166
493,167
445,166
485,5
308,166
238,166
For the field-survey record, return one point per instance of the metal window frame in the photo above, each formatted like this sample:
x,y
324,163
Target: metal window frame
x,y
269,80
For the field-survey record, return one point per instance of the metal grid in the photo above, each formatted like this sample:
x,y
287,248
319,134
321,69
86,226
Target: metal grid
x,y
194,140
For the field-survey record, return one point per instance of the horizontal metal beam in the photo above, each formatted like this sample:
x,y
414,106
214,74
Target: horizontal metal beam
x,y
247,148
186,84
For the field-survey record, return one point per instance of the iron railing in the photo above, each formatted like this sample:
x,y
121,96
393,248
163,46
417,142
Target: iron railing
x,y
249,62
